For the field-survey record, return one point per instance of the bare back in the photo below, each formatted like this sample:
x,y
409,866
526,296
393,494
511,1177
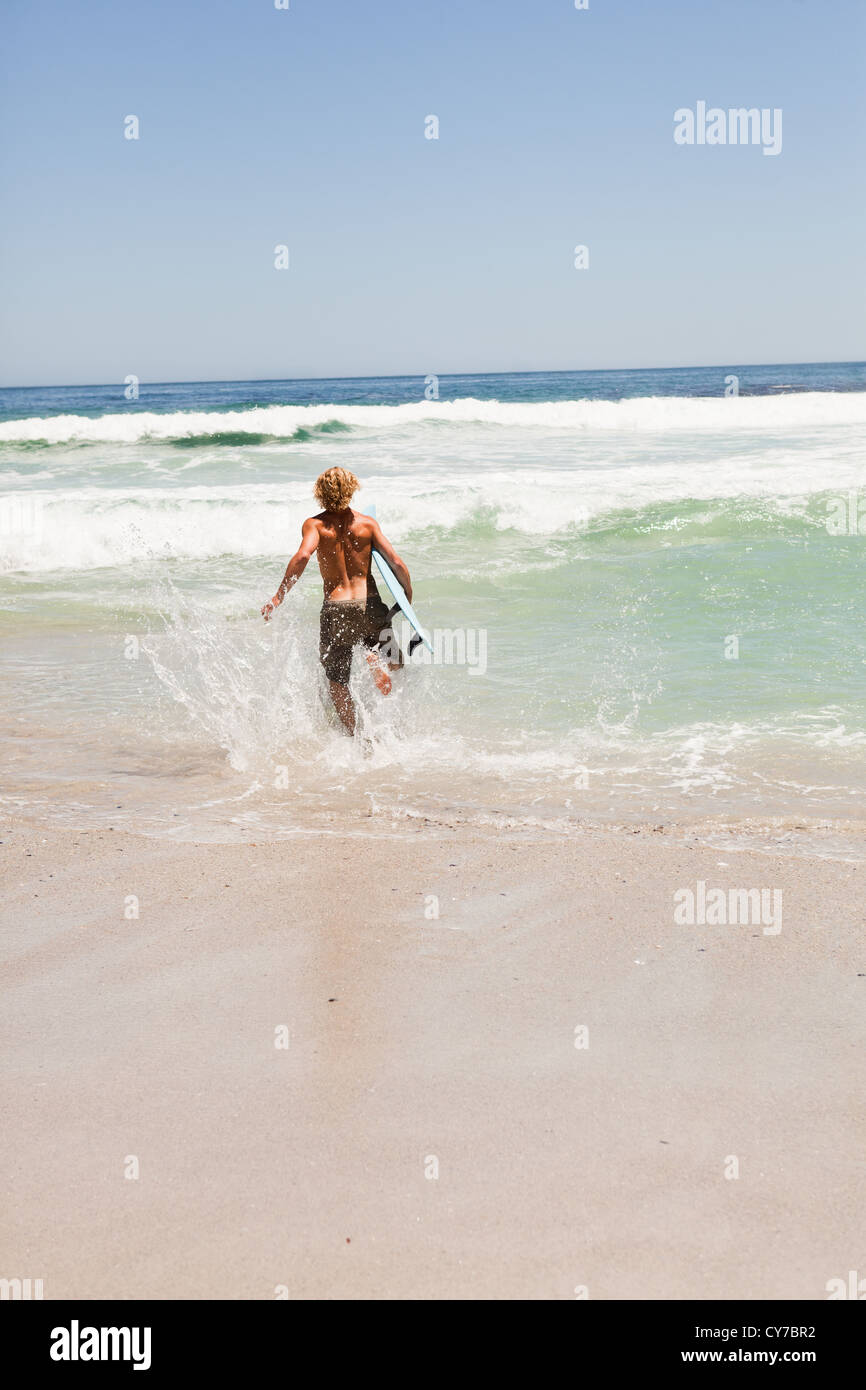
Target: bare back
x,y
345,542
345,548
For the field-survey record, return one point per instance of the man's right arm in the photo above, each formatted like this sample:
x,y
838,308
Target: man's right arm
x,y
386,549
296,566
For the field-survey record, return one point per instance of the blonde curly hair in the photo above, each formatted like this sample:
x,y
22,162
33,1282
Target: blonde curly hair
x,y
335,488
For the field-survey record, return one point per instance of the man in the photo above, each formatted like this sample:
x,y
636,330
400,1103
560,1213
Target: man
x,y
353,613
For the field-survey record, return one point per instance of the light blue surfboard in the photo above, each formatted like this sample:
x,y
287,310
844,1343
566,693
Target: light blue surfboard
x,y
398,592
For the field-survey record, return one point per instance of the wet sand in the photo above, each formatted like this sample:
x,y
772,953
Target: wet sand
x,y
431,1130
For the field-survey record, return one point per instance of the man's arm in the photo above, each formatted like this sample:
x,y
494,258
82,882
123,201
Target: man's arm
x,y
295,567
386,549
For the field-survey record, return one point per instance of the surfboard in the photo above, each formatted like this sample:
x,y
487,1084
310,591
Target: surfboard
x,y
398,593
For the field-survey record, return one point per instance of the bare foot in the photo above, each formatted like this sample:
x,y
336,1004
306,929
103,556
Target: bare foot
x,y
380,675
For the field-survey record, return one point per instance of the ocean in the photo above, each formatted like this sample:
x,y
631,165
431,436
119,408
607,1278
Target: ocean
x,y
647,590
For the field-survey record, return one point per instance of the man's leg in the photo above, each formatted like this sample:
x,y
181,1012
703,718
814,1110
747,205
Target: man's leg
x,y
337,634
343,704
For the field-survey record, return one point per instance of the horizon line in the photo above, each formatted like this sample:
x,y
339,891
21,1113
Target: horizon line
x,y
441,376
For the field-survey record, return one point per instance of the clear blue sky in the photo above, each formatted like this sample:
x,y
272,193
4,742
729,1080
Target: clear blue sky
x,y
306,127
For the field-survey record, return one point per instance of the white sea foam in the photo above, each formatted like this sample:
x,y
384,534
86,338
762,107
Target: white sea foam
x,y
655,413
90,528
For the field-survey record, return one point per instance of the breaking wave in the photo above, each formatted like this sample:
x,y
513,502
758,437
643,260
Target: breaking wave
x,y
295,422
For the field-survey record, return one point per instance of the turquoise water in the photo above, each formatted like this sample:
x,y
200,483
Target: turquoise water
x,y
672,627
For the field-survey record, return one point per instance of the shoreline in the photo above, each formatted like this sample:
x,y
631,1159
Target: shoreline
x,y
414,1038
808,838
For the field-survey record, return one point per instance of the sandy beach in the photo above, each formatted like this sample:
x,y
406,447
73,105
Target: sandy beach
x,y
330,1092
432,652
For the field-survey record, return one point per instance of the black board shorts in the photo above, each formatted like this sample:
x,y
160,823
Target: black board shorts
x,y
346,623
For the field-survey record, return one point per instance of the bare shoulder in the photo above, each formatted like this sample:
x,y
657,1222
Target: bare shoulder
x,y
362,525
311,532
